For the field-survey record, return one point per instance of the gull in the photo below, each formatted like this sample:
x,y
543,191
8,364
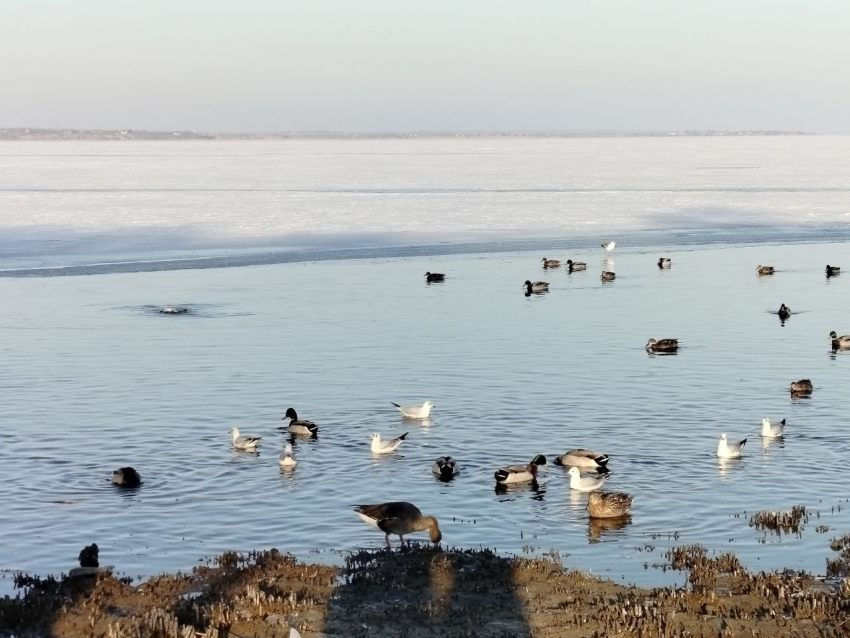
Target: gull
x,y
399,518
519,473
297,426
770,431
286,459
584,459
415,411
385,447
584,483
726,450
609,246
244,442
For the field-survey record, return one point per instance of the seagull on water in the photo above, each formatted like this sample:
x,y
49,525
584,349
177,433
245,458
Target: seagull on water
x,y
415,411
772,431
609,246
726,450
585,483
286,459
244,442
385,447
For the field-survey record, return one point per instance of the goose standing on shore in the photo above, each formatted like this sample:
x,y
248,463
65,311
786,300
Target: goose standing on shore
x,y
574,266
608,504
244,442
446,468
297,426
535,287
839,343
585,483
386,447
286,459
726,450
518,473
584,459
399,518
772,430
415,412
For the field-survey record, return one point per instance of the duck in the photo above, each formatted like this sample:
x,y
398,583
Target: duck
x,y
400,518
663,345
770,430
584,459
173,310
726,450
446,468
126,477
608,275
432,277
415,412
297,426
764,270
536,287
244,442
839,343
831,271
784,311
664,262
518,473
803,386
286,459
551,263
609,246
608,504
573,266
584,483
385,447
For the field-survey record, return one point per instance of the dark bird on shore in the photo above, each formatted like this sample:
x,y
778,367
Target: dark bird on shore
x,y
399,518
88,556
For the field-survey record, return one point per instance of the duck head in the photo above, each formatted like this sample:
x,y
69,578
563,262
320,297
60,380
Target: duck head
x,y
833,334
434,532
290,414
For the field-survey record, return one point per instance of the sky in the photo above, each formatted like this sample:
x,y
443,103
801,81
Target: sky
x,y
431,65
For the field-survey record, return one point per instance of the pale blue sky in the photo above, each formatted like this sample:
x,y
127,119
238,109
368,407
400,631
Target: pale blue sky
x,y
376,65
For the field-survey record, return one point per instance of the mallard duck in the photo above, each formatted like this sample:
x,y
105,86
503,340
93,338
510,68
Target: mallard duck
x,y
445,467
297,426
609,246
536,287
608,504
551,263
831,271
244,442
584,459
839,343
173,310
608,275
584,483
784,311
126,477
803,386
662,345
385,447
764,270
726,450
399,518
573,266
431,277
772,430
518,473
286,459
664,262
415,412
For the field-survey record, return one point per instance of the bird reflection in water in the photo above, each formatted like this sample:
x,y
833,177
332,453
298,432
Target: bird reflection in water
x,y
599,527
538,491
724,466
769,442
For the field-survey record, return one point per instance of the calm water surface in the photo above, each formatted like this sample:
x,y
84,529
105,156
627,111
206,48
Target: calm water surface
x,y
93,379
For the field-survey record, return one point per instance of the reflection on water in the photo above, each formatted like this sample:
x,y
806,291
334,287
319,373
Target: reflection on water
x,y
597,528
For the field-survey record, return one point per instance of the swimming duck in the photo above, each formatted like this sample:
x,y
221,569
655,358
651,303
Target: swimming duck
x,y
536,287
385,447
297,426
126,477
726,450
664,262
662,345
608,276
244,442
446,468
573,266
173,310
584,483
608,504
399,518
584,459
803,386
286,459
831,271
551,263
784,312
764,270
609,246
415,412
431,277
839,343
770,430
518,473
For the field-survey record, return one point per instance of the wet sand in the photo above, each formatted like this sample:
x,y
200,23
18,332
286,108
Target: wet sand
x,y
424,591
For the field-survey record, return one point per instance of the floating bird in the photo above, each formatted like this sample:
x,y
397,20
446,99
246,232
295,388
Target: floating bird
x,y
399,518
831,271
244,442
385,447
585,483
663,345
536,287
431,277
518,473
784,312
609,246
764,270
608,275
584,459
771,431
573,266
173,310
608,504
839,343
445,467
551,263
126,477
415,412
286,459
664,262
297,426
803,386
726,450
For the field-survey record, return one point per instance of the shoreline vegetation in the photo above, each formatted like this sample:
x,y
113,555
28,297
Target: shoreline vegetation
x,y
422,591
42,134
